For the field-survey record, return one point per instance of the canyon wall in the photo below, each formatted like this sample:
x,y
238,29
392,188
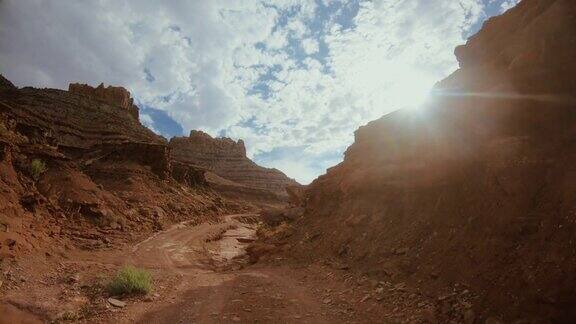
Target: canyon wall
x,y
77,169
227,159
474,193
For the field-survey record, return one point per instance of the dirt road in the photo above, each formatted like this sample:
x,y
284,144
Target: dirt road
x,y
201,275
213,287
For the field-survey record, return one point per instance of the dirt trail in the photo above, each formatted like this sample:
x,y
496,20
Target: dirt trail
x,y
213,288
201,275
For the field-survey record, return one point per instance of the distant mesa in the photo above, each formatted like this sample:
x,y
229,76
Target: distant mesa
x,y
116,96
227,159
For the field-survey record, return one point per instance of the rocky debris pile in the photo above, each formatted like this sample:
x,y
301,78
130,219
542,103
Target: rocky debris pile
x,y
476,189
296,195
227,159
116,96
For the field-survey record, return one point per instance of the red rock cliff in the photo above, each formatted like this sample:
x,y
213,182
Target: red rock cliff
x,y
116,96
475,191
227,158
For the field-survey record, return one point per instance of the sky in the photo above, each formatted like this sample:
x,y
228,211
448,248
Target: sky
x,y
293,78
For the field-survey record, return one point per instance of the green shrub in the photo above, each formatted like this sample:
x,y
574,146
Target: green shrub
x,y
37,167
130,280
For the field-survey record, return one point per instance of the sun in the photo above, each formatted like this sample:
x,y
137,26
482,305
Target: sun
x,y
411,88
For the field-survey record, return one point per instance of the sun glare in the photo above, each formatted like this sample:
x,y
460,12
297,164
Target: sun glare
x,y
411,89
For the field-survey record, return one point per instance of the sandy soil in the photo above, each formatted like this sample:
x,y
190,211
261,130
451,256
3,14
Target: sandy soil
x,y
201,275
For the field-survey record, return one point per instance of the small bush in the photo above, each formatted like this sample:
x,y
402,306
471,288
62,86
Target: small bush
x,y
37,167
130,280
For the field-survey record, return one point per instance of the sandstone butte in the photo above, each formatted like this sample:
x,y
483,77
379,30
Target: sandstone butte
x,y
227,159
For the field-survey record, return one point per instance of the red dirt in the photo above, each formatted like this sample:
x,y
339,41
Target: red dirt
x,y
205,281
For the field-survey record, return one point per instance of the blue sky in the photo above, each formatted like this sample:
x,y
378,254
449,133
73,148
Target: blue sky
x,y
294,79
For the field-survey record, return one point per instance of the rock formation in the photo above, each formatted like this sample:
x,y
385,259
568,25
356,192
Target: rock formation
x,y
77,167
227,159
117,96
5,83
477,190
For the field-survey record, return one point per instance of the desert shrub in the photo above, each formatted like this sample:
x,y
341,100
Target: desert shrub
x,y
37,167
130,280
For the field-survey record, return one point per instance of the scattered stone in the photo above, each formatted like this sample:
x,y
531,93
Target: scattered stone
x,y
444,297
466,304
327,301
469,316
116,303
429,314
74,278
401,251
399,286
493,320
235,319
10,243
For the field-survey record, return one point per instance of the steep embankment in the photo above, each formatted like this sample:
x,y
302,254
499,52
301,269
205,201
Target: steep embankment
x,y
474,194
235,173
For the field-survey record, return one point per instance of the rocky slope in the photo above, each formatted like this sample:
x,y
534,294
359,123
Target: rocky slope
x,y
227,159
472,198
78,169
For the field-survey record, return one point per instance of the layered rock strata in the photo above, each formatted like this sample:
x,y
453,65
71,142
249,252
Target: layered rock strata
x,y
116,96
227,158
78,169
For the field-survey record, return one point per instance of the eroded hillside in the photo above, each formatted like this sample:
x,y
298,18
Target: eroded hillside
x,y
470,198
102,176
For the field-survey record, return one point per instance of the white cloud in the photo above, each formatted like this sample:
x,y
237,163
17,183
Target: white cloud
x,y
235,66
507,4
148,122
310,46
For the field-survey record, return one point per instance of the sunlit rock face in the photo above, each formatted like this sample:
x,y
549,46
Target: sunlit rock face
x,y
528,50
478,187
117,96
227,158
